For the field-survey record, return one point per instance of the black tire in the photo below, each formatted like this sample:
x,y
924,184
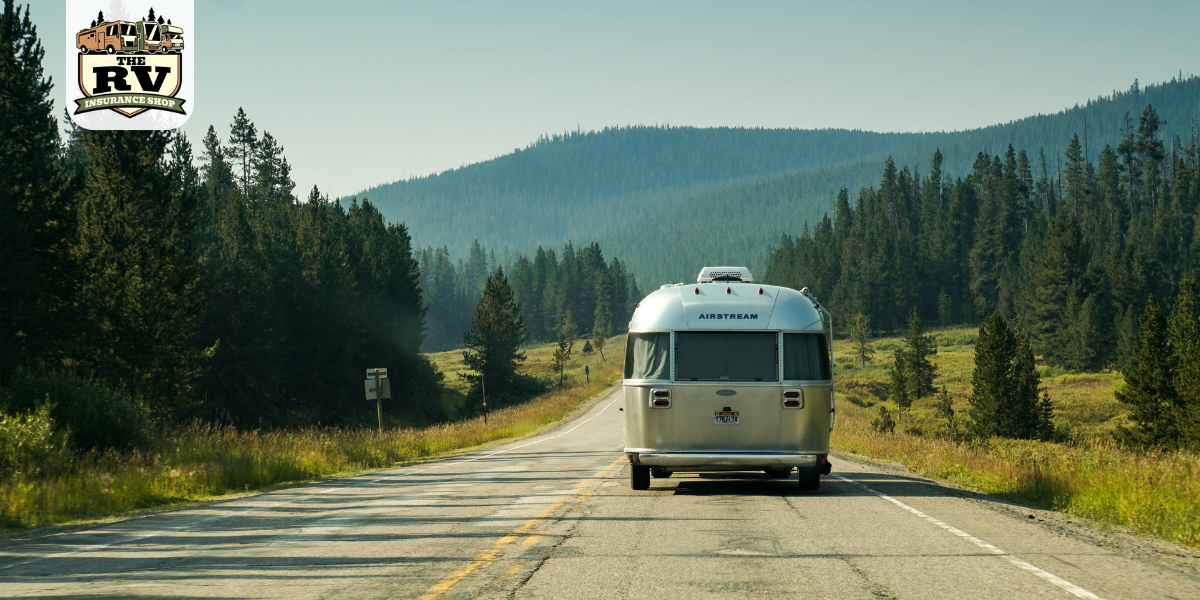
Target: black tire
x,y
639,477
778,473
659,473
111,50
83,49
810,480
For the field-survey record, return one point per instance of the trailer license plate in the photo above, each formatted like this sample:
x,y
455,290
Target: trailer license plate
x,y
725,418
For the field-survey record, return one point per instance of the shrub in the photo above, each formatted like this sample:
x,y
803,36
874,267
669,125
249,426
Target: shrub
x,y
97,416
954,337
25,442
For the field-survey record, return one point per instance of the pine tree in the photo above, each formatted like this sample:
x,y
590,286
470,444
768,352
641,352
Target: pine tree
x,y
495,338
1023,413
602,322
1150,385
884,423
272,174
569,328
945,410
562,354
945,307
1184,337
36,205
1057,274
141,297
991,380
1046,430
243,138
900,380
860,339
918,348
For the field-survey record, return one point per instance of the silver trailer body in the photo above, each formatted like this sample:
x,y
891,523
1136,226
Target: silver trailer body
x,y
728,375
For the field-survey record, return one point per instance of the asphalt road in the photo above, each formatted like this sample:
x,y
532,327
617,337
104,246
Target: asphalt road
x,y
553,517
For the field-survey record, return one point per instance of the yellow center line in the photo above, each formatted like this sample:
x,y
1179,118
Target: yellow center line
x,y
440,588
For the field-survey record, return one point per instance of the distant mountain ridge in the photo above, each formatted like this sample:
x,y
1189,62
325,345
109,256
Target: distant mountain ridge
x,y
668,200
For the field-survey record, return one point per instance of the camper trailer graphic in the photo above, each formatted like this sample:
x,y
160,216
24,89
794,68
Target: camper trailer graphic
x,y
130,67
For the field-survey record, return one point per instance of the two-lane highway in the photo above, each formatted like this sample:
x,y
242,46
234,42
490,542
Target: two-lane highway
x,y
553,517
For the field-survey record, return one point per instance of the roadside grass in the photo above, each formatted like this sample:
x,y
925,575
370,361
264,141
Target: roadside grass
x,y
202,461
1088,475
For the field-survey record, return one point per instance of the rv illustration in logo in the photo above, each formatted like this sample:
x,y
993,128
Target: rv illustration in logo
x,y
130,67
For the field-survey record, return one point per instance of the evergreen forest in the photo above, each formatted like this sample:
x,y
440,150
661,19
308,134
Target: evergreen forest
x,y
548,285
1071,256
148,281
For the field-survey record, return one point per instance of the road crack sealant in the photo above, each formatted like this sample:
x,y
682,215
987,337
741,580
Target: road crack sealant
x,y
1045,575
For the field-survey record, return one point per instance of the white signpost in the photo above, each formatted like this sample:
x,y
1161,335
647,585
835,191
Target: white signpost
x,y
378,387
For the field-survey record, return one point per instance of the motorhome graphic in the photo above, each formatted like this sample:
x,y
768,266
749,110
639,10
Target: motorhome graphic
x,y
130,67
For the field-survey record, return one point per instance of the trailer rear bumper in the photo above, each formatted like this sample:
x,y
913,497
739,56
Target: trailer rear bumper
x,y
724,461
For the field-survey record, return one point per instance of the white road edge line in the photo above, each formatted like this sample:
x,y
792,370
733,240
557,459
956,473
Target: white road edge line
x,y
1052,578
150,534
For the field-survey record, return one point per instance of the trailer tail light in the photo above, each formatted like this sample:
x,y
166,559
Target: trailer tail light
x,y
793,399
660,398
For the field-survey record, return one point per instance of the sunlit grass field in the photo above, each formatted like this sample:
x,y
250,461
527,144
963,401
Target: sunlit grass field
x,y
202,462
1087,476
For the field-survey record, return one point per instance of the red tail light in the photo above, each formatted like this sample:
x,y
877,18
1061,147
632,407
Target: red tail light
x,y
793,399
660,398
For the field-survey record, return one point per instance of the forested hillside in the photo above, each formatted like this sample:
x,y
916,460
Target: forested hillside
x,y
733,192
597,294
1072,256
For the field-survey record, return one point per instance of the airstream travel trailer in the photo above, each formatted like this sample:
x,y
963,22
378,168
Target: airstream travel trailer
x,y
728,375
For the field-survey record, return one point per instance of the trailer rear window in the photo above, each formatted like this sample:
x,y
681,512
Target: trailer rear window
x,y
726,356
647,356
805,356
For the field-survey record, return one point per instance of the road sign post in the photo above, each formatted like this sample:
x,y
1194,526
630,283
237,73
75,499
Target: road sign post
x,y
587,373
378,387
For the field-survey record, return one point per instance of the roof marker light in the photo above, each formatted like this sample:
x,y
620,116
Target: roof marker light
x,y
760,291
804,291
728,290
697,290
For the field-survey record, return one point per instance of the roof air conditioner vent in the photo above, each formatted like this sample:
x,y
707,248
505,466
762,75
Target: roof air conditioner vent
x,y
711,274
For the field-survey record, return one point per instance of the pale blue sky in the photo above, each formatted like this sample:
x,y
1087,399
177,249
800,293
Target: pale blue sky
x,y
362,93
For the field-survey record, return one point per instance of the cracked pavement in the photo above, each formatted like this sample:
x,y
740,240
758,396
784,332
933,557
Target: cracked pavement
x,y
553,517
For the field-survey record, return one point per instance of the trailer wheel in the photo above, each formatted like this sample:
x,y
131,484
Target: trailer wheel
x,y
111,50
639,477
659,473
810,480
83,49
778,473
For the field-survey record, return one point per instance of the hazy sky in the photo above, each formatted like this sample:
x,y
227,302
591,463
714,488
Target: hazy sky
x,y
361,93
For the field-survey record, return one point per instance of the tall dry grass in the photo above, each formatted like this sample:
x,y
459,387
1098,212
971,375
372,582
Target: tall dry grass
x,y
203,461
1091,476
